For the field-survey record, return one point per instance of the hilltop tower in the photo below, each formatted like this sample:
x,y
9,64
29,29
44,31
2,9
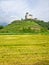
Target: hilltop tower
x,y
28,16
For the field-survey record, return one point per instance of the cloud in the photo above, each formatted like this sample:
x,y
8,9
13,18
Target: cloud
x,y
11,9
16,9
41,10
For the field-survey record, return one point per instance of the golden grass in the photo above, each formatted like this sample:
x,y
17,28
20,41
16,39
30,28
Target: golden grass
x,y
24,50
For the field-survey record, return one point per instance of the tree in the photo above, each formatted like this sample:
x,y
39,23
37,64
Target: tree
x,y
1,27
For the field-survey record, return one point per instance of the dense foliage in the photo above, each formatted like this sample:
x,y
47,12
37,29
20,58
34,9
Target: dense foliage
x,y
1,27
43,24
26,26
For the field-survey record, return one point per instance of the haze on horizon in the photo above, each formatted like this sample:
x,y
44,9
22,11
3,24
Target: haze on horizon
x,y
15,9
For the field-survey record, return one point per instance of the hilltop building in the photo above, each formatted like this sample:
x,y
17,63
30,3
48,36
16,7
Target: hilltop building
x,y
28,16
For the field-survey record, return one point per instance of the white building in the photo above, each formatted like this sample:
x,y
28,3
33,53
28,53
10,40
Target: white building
x,y
28,16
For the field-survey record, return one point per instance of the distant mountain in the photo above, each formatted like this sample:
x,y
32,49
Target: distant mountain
x,y
25,27
3,23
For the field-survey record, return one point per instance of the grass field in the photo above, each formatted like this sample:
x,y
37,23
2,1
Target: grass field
x,y
24,49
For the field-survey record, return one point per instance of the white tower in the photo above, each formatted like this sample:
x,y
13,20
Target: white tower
x,y
28,16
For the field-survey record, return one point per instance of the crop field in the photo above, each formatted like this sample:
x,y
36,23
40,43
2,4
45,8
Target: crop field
x,y
24,49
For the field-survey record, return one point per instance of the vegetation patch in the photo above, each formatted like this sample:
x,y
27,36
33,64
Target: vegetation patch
x,y
24,50
26,27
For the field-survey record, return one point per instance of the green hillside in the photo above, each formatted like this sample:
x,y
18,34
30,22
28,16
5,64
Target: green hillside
x,y
43,24
23,27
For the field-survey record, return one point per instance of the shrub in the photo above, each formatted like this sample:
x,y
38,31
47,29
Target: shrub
x,y
1,27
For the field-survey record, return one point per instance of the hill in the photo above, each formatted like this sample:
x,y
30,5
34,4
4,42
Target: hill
x,y
42,23
24,27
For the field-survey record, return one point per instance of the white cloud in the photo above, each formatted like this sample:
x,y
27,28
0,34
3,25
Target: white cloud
x,y
41,10
15,9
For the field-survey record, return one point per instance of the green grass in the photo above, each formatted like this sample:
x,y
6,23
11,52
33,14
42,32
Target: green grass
x,y
21,27
24,49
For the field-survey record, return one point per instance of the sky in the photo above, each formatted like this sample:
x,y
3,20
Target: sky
x,y
15,9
